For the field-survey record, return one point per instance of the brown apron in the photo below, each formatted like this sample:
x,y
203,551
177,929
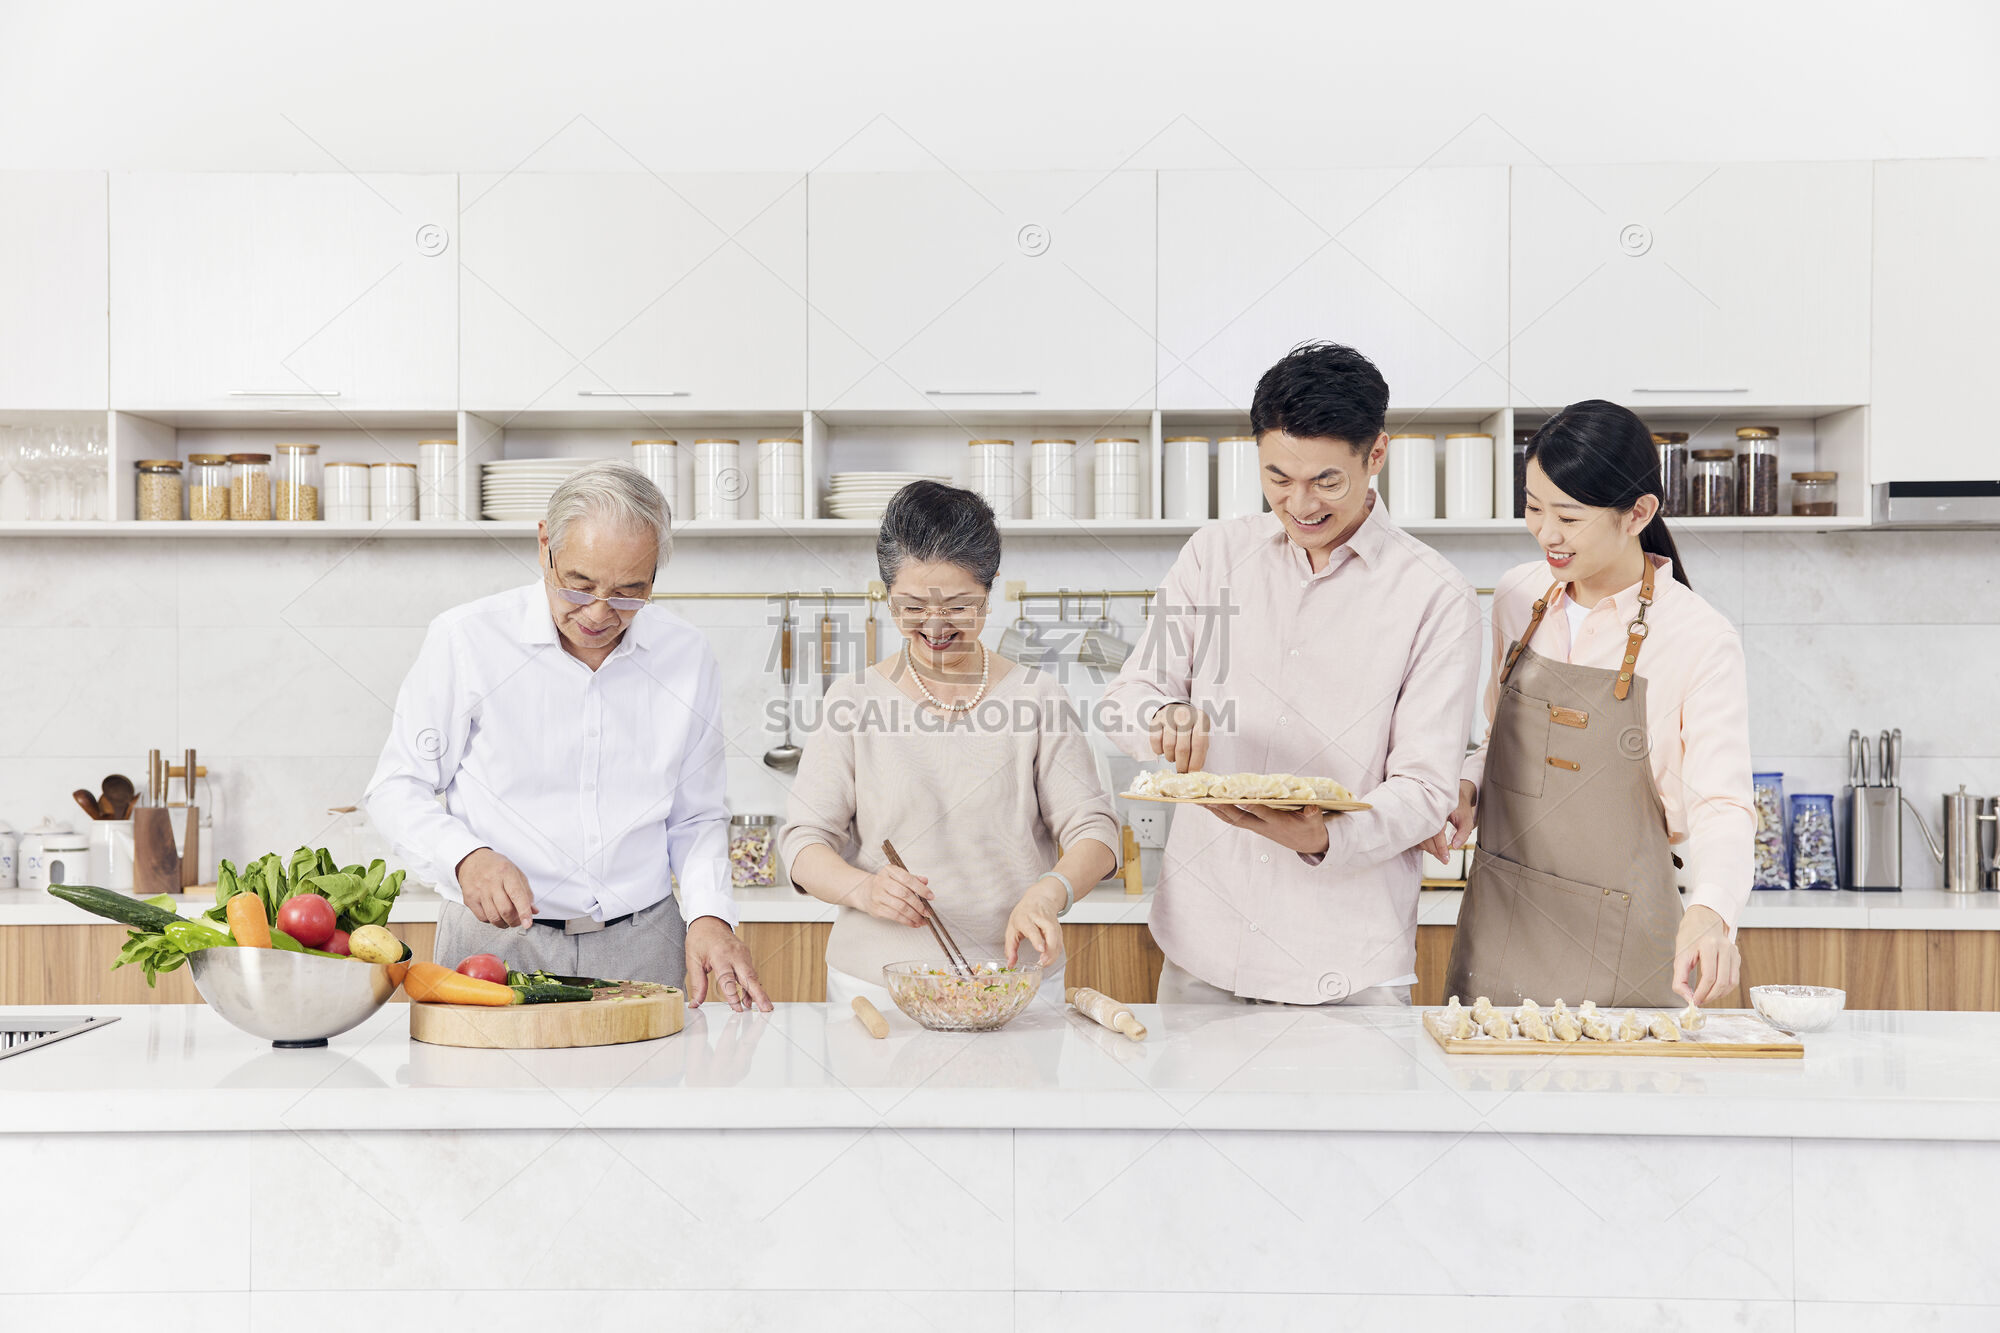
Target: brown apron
x,y
1572,890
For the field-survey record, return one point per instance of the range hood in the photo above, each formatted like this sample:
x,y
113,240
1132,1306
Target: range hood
x,y
1938,504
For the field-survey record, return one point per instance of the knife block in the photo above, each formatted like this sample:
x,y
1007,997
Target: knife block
x,y
156,866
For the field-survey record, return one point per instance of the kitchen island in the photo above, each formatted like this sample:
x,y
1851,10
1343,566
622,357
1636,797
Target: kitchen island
x,y
1312,1169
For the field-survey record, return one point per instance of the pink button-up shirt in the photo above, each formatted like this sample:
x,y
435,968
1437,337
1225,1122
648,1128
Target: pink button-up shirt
x,y
1365,672
1697,713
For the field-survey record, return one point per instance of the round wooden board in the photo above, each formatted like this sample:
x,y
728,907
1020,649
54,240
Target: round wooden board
x,y
1331,807
635,1011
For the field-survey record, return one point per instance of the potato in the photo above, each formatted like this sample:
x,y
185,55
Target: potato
x,y
374,944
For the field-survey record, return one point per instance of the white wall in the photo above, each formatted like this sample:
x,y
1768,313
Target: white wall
x,y
376,85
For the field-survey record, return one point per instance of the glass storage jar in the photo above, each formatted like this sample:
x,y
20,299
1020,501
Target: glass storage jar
x,y
1674,459
158,497
208,486
1757,471
1813,862
1771,864
1812,494
752,840
250,486
345,490
1711,485
295,488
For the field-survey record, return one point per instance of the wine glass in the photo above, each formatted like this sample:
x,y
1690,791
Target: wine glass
x,y
91,453
10,454
62,471
33,465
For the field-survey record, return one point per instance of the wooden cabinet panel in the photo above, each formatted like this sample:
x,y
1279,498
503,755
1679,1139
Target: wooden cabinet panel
x,y
1433,957
1122,961
1879,969
1964,969
790,957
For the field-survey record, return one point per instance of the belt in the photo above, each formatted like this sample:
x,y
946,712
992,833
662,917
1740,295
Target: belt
x,y
583,925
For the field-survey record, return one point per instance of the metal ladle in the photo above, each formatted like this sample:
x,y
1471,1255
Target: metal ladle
x,y
785,758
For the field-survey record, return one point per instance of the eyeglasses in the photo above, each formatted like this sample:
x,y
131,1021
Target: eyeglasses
x,y
956,610
577,598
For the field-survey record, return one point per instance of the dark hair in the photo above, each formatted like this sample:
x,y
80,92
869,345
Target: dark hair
x,y
930,521
1602,455
1322,391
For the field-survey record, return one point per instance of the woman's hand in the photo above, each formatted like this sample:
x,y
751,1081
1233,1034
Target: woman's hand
x,y
1704,947
893,895
1458,823
1302,831
1034,920
1180,736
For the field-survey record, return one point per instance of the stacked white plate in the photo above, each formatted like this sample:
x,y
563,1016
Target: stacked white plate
x,y
517,489
867,494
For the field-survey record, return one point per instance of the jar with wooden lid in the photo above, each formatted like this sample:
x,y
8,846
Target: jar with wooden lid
x,y
208,486
344,492
1674,459
250,487
158,497
1757,470
295,489
1711,484
1813,494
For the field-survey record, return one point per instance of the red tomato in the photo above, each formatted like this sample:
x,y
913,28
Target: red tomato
x,y
486,967
338,944
309,919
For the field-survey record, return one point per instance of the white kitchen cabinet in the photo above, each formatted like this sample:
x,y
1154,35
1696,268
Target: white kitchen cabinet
x,y
633,291
1408,267
942,293
52,290
1937,334
284,291
1741,285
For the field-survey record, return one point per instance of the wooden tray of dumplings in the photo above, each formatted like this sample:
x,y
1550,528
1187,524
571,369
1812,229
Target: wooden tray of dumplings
x,y
1725,1034
1274,802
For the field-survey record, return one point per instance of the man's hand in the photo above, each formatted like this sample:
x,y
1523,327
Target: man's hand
x,y
1703,946
1302,831
1457,824
495,890
1180,736
713,947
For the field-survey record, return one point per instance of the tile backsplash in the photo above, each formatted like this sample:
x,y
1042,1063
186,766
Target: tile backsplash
x,y
279,660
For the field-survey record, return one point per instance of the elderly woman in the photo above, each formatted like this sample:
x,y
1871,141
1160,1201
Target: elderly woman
x,y
972,765
574,732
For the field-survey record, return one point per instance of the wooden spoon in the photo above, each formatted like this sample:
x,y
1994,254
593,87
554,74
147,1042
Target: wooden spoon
x,y
88,802
119,794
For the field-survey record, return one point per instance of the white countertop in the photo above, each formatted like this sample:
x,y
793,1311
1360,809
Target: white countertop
x,y
1911,909
1875,1075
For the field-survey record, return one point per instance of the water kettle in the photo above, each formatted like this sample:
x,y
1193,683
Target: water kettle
x,y
1969,840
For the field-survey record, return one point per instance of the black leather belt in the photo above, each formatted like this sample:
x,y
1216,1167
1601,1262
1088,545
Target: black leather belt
x,y
572,928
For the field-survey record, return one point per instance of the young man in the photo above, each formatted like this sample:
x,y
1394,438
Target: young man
x,y
1319,640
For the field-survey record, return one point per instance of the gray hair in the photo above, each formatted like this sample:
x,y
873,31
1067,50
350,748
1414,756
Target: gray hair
x,y
936,523
614,491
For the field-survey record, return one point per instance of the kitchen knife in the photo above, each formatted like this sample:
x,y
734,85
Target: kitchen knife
x,y
1887,758
1865,763
1854,774
1896,757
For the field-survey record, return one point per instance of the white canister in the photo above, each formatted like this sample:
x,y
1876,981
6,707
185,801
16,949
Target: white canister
x,y
1184,484
1503,478
1468,476
437,481
111,852
1237,489
34,874
990,474
64,859
344,493
1119,484
660,460
9,845
1054,475
392,492
719,484
781,479
1412,477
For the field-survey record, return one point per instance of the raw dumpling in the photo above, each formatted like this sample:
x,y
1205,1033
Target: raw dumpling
x,y
1663,1028
1326,789
1630,1028
1250,787
1188,786
1148,782
1457,1021
1292,787
1482,1009
1529,1019
1595,1025
1692,1018
1495,1026
1565,1024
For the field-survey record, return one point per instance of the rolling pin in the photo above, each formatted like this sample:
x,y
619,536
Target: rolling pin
x,y
871,1017
1102,1009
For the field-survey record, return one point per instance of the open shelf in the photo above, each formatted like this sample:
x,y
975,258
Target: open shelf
x,y
697,530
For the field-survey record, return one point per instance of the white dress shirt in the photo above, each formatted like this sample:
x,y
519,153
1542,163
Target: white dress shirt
x,y
594,783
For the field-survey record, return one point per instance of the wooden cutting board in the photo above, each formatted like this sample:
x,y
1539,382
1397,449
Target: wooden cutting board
x,y
1331,807
1742,1036
629,1011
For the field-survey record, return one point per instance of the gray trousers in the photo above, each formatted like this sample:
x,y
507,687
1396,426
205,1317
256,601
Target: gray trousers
x,y
1180,986
652,946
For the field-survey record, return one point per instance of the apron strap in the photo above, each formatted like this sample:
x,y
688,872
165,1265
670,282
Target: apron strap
x,y
1635,634
1534,623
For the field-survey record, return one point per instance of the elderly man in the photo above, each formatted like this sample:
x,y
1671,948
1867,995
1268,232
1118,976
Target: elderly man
x,y
574,732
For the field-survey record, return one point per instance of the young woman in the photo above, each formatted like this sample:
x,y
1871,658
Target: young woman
x,y
1618,736
973,766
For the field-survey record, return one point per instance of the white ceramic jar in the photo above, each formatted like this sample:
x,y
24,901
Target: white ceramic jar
x,y
1468,476
1412,477
660,461
344,492
1119,484
781,479
1184,479
1054,476
9,845
111,852
437,481
392,492
991,476
719,485
1238,492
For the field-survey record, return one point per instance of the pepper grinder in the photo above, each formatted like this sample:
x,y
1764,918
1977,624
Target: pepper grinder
x,y
156,866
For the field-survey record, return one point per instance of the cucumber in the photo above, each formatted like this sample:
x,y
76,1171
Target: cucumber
x,y
119,907
551,994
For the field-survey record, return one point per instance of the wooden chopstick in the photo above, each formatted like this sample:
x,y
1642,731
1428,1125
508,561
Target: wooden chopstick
x,y
952,953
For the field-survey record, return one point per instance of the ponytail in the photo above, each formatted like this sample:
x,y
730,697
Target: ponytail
x,y
1603,455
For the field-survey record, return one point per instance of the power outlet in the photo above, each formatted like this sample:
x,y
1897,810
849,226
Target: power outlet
x,y
1149,822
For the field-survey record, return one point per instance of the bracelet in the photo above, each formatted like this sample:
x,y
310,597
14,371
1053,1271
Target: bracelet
x,y
1069,890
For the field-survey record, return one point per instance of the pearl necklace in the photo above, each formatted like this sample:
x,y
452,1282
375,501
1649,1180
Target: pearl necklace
x,y
985,664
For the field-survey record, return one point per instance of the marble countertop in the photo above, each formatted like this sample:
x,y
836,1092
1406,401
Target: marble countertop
x,y
1874,1075
1911,909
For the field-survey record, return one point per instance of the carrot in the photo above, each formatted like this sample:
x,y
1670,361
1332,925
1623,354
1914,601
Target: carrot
x,y
247,921
440,985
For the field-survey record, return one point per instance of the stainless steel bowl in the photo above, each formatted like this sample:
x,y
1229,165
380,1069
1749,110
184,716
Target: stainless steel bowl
x,y
294,999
